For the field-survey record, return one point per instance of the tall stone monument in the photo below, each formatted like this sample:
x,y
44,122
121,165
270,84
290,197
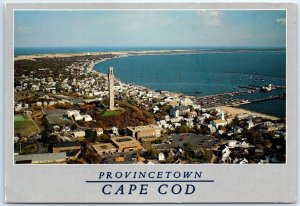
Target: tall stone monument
x,y
111,79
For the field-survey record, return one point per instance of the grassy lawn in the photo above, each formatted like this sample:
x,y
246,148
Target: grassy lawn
x,y
18,118
111,113
29,149
23,127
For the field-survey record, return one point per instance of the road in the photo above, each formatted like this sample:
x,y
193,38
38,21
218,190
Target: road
x,y
41,148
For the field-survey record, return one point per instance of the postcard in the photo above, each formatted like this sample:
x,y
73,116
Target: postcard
x,y
150,103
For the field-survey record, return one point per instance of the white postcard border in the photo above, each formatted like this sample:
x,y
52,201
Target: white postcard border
x,y
232,183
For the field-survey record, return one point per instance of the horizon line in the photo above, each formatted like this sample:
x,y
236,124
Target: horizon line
x,y
234,46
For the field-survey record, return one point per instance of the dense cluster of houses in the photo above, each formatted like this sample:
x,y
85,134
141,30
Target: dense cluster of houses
x,y
83,85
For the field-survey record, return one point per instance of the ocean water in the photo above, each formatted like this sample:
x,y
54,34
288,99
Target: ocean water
x,y
206,71
274,107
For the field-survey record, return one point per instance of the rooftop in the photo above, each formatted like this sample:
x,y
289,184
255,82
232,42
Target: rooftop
x,y
98,147
39,157
66,144
125,140
142,128
219,121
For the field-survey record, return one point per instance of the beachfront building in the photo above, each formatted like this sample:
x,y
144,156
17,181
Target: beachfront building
x,y
111,79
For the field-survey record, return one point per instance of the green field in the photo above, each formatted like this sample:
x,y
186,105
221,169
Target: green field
x,y
111,113
23,127
29,149
18,118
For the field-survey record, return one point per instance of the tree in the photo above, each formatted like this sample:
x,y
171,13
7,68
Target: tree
x,y
183,129
151,154
189,153
58,88
90,134
74,127
104,138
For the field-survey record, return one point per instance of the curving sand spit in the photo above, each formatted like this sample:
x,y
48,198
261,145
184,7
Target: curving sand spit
x,y
233,111
117,53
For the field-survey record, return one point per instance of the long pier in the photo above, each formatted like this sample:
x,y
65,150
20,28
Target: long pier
x,y
282,96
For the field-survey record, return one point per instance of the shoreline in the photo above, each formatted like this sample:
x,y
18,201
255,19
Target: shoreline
x,y
122,54
234,111
237,110
117,53
127,53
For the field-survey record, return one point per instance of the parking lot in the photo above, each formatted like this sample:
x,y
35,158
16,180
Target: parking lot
x,y
178,140
110,159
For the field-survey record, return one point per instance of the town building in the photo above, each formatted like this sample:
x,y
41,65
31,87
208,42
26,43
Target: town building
x,y
46,158
144,131
79,134
104,148
126,143
72,149
219,122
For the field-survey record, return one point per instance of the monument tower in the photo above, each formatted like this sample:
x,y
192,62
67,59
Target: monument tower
x,y
111,79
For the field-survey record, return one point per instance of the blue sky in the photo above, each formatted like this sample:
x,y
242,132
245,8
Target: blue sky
x,y
113,28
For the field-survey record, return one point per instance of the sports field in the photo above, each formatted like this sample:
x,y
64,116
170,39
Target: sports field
x,y
23,127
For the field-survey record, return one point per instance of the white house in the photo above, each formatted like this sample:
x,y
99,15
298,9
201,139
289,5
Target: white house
x,y
231,143
250,124
18,107
115,130
161,157
157,132
155,109
162,123
211,128
99,131
79,134
16,138
78,117
225,153
244,161
72,112
87,118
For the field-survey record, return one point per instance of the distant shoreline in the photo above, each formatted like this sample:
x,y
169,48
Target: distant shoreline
x,y
148,52
116,53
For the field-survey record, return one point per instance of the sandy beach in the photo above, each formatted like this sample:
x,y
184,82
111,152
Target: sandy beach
x,y
233,111
116,53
